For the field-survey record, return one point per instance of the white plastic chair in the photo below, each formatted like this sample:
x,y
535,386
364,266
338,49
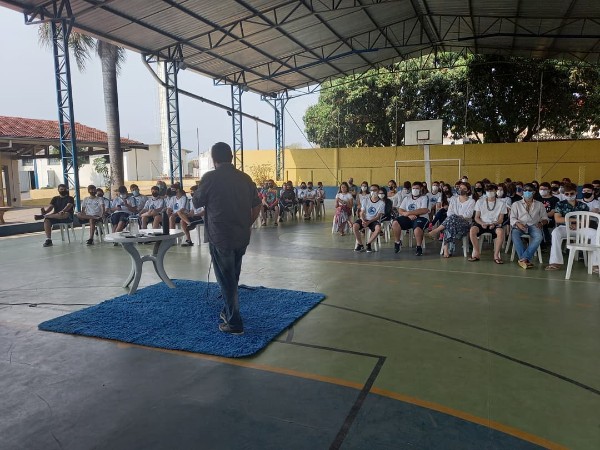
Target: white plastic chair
x,y
539,250
99,230
465,246
376,242
65,226
583,238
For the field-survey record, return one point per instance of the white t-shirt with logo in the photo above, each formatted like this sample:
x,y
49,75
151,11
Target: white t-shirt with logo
x,y
434,199
488,215
154,203
412,204
179,204
126,204
593,206
372,209
93,206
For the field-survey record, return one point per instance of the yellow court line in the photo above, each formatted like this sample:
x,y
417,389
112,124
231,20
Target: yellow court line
x,y
471,418
358,386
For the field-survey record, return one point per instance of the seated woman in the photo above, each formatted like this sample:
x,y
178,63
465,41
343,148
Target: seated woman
x,y
458,221
388,213
489,216
343,210
442,205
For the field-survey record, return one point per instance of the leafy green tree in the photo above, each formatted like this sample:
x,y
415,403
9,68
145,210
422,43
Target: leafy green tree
x,y
111,58
493,98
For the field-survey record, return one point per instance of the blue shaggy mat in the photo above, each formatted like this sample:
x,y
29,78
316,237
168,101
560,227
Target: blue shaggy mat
x,y
186,318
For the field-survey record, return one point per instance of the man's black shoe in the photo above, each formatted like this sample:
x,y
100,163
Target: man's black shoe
x,y
359,248
90,242
38,217
187,244
397,246
48,243
369,249
419,251
225,328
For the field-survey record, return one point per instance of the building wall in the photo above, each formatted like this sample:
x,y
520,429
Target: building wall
x,y
544,161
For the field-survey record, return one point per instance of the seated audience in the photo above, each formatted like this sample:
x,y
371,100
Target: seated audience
x,y
287,200
564,207
413,214
458,220
92,211
527,216
153,209
122,208
60,210
370,214
489,217
343,210
270,202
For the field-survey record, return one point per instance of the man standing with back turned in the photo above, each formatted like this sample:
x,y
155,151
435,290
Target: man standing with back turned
x,y
232,205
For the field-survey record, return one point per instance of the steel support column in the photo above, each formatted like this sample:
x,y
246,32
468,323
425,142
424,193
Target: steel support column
x,y
175,164
278,102
279,106
61,28
236,125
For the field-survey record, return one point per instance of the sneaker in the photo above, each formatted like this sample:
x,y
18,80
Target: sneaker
x,y
419,251
187,244
225,328
369,249
397,247
222,317
529,264
523,263
38,217
280,219
48,243
275,224
90,242
359,248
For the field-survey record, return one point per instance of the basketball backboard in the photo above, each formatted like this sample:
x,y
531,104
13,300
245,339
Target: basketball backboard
x,y
417,132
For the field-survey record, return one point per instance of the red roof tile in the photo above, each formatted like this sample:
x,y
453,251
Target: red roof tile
x,y
19,127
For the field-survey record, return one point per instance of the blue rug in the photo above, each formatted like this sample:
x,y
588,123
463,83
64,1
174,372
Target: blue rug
x,y
186,318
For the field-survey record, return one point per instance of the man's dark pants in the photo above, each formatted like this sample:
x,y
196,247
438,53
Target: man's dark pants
x,y
228,265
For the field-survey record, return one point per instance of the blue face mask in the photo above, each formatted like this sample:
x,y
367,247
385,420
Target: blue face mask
x,y
527,195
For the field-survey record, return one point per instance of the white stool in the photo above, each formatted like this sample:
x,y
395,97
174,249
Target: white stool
x,y
65,226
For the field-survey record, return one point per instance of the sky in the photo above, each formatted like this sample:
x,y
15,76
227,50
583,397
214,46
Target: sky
x,y
27,90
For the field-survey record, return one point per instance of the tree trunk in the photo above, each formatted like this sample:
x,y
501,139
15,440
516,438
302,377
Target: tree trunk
x,y
109,56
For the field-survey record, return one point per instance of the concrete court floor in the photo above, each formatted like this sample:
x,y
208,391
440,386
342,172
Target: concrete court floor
x,y
405,352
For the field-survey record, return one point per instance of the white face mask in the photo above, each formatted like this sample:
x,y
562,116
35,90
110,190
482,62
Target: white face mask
x,y
416,192
381,195
543,192
374,194
434,189
490,194
561,190
363,188
570,197
464,180
500,193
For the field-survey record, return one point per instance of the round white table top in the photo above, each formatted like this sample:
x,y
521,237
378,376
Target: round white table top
x,y
143,236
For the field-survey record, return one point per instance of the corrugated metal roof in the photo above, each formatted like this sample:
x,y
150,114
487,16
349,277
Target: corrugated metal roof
x,y
280,45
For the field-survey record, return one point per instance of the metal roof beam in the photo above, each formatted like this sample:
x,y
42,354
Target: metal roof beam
x,y
227,32
176,39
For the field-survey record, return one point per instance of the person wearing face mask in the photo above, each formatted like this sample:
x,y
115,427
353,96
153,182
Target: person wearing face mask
x,y
353,189
596,186
435,197
478,191
287,200
527,216
388,212
310,200
392,188
587,195
549,201
343,209
174,204
489,216
153,209
564,207
92,212
301,196
413,214
371,212
60,210
362,196
458,220
105,201
269,198
122,208
138,199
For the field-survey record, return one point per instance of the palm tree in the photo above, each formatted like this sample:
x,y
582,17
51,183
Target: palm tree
x,y
111,58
